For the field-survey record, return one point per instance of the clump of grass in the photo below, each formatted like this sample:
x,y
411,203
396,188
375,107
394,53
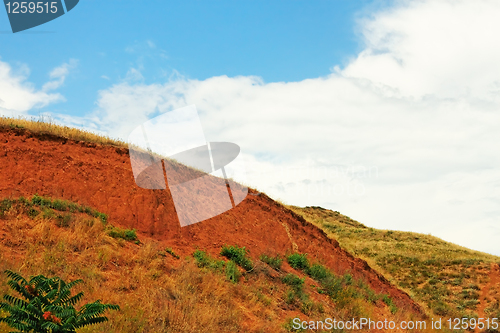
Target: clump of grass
x,y
318,272
296,294
171,252
388,301
298,261
5,205
126,234
64,220
48,213
63,206
294,281
206,261
232,272
238,255
274,262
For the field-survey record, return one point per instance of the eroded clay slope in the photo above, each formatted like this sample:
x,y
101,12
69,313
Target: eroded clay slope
x,y
101,177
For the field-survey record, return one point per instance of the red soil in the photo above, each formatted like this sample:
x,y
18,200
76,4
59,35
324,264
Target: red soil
x,y
101,177
493,284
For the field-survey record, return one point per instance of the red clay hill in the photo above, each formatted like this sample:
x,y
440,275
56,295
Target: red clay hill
x,y
101,176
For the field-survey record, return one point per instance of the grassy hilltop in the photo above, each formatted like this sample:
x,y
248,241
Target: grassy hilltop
x,y
448,279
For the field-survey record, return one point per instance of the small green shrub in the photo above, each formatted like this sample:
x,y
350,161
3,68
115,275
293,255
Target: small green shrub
x,y
298,261
206,261
290,296
332,286
32,212
40,201
307,307
232,272
46,305
59,205
274,262
318,272
101,216
126,234
294,281
238,255
348,279
296,291
73,207
171,252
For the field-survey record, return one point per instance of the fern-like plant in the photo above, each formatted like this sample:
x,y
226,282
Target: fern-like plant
x,y
46,306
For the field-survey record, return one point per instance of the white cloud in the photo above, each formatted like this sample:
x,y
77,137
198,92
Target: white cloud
x,y
445,48
418,108
17,96
134,74
59,74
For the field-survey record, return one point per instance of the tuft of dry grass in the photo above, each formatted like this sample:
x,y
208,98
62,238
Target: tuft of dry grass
x,y
44,125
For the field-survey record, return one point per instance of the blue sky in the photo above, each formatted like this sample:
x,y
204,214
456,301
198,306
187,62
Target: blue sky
x,y
387,111
275,40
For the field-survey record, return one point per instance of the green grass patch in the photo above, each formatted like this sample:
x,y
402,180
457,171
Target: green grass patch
x,y
126,234
63,206
171,252
204,260
274,262
318,272
238,255
232,272
298,261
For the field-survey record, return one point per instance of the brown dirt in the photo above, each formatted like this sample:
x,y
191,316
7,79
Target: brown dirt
x,y
101,177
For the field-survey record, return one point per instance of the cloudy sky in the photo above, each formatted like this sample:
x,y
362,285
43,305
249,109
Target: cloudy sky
x,y
387,111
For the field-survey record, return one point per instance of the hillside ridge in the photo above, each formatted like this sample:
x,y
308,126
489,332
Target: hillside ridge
x,y
99,175
446,279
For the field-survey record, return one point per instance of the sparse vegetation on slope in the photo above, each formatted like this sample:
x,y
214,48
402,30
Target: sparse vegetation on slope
x,y
444,277
159,293
238,255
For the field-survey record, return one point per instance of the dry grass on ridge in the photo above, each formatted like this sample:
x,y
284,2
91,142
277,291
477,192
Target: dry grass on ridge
x,y
46,126
445,278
